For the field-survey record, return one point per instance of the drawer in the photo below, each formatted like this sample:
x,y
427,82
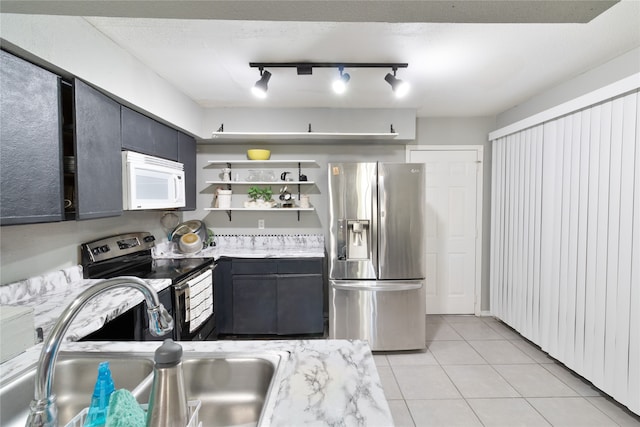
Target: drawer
x,y
253,266
300,266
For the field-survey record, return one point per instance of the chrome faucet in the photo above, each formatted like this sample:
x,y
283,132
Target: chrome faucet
x,y
43,410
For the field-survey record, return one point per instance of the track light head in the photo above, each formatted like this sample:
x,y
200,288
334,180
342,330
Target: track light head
x,y
340,84
260,88
400,88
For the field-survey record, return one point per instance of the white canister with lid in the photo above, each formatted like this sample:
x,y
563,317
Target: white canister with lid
x,y
304,201
223,198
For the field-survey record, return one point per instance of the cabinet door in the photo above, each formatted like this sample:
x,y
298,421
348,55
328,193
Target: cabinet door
x,y
254,304
300,304
187,156
165,140
223,296
136,132
30,149
145,135
98,158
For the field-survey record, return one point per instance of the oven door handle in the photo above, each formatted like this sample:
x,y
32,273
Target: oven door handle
x,y
185,284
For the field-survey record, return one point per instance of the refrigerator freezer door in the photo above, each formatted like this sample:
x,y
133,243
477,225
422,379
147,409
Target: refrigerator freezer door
x,y
389,315
401,239
353,220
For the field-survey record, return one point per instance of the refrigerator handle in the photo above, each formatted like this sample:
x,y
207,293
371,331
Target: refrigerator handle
x,y
342,239
378,287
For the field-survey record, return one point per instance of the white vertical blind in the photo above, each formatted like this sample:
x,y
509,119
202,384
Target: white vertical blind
x,y
565,241
515,241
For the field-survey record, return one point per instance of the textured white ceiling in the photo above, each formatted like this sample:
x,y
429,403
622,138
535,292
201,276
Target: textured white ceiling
x,y
455,69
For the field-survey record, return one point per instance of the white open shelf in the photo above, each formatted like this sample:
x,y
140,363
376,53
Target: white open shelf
x,y
275,137
259,182
257,162
261,209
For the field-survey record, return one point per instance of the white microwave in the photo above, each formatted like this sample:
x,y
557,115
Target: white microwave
x,y
151,182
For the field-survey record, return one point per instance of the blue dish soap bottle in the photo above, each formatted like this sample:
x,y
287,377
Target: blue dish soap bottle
x,y
97,416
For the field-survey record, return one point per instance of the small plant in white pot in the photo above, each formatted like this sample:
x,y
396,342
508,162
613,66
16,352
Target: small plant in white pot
x,y
260,198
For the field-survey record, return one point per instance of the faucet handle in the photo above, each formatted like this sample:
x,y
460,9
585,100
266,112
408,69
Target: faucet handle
x,y
160,321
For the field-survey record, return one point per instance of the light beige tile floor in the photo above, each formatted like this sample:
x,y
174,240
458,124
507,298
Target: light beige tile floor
x,y
476,371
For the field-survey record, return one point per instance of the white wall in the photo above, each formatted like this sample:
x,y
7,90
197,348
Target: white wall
x,y
618,68
34,249
72,44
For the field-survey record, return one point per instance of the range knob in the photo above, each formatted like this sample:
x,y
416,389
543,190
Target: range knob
x,y
104,248
148,239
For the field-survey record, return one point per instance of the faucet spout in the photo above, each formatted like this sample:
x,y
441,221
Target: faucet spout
x,y
43,410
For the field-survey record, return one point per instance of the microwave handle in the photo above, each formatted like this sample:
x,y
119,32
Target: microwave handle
x,y
176,188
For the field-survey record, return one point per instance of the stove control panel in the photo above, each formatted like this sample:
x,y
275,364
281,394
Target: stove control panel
x,y
115,246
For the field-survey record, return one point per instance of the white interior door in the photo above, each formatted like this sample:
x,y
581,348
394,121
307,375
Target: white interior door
x,y
451,228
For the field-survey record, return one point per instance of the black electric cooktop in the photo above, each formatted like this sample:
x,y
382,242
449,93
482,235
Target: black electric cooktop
x,y
129,254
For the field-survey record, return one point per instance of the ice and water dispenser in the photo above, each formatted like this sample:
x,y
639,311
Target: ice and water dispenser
x,y
355,242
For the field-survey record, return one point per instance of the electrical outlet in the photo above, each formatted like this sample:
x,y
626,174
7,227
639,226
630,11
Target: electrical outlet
x,y
261,224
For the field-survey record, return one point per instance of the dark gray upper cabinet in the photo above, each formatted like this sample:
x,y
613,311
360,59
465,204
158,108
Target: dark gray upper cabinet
x,y
98,158
187,156
145,135
30,152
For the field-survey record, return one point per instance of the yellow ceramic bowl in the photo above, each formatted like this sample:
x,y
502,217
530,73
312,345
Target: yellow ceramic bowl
x,y
258,154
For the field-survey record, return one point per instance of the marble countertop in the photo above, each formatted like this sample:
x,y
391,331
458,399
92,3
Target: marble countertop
x,y
51,293
323,382
252,246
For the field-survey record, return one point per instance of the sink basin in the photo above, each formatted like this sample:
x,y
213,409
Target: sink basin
x,y
234,388
73,382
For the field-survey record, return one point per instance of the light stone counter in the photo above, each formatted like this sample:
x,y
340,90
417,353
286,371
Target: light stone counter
x,y
323,382
51,293
252,246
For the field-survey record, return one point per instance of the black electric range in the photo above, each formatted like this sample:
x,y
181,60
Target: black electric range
x,y
130,254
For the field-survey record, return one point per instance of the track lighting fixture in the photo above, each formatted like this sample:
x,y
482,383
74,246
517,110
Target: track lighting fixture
x,y
400,88
340,84
260,88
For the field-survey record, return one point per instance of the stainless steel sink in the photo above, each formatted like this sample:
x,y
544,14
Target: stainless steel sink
x,y
233,391
234,388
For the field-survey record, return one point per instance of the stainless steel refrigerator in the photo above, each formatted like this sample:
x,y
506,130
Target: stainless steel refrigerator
x,y
377,254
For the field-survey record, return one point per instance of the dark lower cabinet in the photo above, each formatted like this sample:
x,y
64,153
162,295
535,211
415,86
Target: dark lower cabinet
x,y
269,296
299,308
30,151
255,303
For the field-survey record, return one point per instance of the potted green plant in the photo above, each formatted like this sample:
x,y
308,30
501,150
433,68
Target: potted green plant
x,y
259,197
254,193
